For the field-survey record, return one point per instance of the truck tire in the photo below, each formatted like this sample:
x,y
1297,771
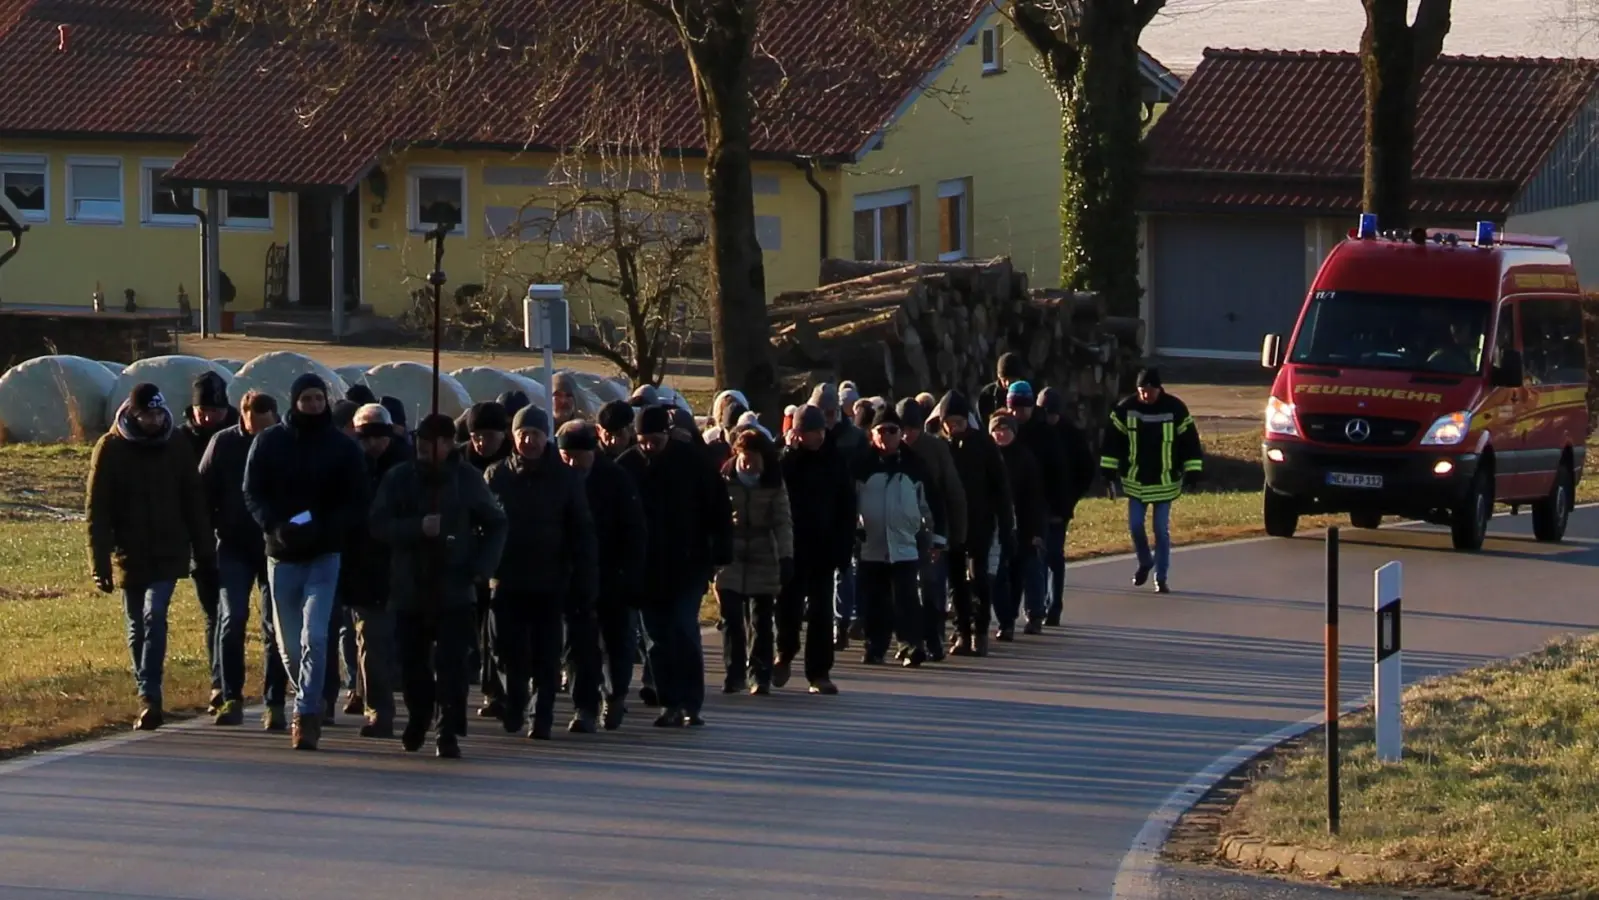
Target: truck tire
x,y
1468,522
1281,514
1550,515
1365,520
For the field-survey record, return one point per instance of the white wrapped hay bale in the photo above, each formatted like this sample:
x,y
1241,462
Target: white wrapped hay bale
x,y
174,375
353,374
485,383
232,365
615,388
51,399
275,372
115,368
412,384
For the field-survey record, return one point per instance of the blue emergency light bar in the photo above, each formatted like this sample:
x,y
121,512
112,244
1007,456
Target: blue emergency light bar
x,y
1368,226
1485,234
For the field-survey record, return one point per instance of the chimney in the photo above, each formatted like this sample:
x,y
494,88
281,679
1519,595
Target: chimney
x,y
63,32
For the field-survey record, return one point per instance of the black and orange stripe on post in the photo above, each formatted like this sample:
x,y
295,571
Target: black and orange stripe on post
x,y
1330,680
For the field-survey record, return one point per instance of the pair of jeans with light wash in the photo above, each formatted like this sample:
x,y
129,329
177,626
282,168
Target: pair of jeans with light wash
x,y
145,606
1055,537
237,575
303,602
1160,560
1020,585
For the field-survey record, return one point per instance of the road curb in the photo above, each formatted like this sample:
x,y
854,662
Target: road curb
x,y
1248,851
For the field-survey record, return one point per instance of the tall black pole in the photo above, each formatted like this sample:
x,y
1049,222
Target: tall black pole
x,y
436,279
1330,678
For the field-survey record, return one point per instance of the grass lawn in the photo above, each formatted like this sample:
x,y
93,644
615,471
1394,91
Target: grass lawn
x,y
1499,784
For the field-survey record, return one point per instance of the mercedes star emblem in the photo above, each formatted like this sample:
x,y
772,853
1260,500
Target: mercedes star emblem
x,y
1357,430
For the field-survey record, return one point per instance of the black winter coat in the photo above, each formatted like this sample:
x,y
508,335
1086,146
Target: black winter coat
x,y
1040,437
482,463
200,438
988,491
1026,488
821,502
222,475
301,466
619,529
1082,467
689,517
365,567
550,547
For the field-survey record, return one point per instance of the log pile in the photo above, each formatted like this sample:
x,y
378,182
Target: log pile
x,y
897,329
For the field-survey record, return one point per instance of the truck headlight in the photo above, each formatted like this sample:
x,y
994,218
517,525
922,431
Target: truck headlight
x,y
1448,430
1280,418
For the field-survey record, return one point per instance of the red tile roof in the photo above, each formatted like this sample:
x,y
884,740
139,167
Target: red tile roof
x,y
1284,131
821,88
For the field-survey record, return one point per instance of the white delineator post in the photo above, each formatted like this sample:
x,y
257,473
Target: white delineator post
x,y
545,326
1389,667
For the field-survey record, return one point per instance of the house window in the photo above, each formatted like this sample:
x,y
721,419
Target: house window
x,y
160,203
993,41
94,190
883,226
435,190
26,182
954,216
246,208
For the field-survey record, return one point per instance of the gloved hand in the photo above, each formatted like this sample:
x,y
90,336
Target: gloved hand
x,y
1191,480
785,569
104,584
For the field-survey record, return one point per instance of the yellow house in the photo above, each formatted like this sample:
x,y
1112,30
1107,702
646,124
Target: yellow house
x,y
134,173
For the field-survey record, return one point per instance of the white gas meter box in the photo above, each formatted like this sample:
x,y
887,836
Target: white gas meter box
x,y
546,323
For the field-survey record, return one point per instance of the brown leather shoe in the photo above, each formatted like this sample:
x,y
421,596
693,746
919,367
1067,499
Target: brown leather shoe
x,y
305,731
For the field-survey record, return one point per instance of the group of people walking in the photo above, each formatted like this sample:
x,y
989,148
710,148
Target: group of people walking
x,y
539,552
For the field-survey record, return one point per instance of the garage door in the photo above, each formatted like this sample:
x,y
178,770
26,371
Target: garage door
x,y
1220,284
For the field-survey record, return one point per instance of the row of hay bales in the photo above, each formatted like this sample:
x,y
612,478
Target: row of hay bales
x,y
53,399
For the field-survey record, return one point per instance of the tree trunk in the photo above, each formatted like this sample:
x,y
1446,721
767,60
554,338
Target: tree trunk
x,y
1393,57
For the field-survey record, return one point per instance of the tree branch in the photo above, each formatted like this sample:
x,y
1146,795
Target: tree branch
x,y
604,351
1144,12
658,8
1432,26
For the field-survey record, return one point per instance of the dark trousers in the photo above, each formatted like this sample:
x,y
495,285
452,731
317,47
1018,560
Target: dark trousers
x,y
274,677
582,655
618,627
934,582
529,636
488,672
238,574
330,679
971,586
374,638
676,656
1055,559
433,646
208,588
807,602
1020,587
893,604
748,637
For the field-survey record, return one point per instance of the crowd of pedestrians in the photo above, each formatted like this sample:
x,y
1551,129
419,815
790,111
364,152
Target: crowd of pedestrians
x,y
536,552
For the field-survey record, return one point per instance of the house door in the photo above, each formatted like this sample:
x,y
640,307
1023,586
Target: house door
x,y
315,240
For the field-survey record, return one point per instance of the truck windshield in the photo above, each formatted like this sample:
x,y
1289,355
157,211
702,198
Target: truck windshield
x,y
1358,330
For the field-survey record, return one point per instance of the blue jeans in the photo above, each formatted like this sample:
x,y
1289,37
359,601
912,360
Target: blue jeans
x,y
237,575
1055,536
303,597
676,655
146,610
1161,561
1020,585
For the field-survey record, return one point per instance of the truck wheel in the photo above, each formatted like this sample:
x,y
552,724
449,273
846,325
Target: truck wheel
x,y
1468,522
1281,514
1365,519
1550,515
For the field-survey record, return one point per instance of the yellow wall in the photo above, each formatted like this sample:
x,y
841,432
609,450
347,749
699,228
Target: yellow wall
x,y
1002,131
60,261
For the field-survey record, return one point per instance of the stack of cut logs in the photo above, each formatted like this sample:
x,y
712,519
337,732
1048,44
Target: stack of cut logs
x,y
897,329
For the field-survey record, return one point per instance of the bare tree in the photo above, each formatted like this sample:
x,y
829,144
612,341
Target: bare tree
x,y
1088,50
1394,54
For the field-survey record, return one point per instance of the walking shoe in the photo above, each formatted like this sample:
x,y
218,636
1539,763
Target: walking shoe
x,y
582,723
273,719
781,672
857,630
824,687
1052,618
327,717
669,718
935,651
513,724
416,731
231,712
980,643
215,705
915,658
901,653
693,720
1161,587
150,716
872,659
961,646
542,730
1005,633
733,686
611,714
354,704
759,689
374,728
492,708
648,696
304,732
566,681
1034,626
448,746
1141,577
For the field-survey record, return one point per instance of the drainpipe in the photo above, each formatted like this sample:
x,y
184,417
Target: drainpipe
x,y
808,163
185,202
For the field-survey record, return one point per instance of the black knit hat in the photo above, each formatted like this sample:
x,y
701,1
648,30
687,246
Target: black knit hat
x,y
360,395
513,401
1149,378
146,396
1050,400
436,426
886,416
396,409
307,382
911,414
489,416
654,420
531,418
344,413
577,435
615,416
210,392
1012,367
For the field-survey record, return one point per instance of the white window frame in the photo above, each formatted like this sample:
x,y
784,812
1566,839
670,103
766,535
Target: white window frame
x,y
72,163
32,164
992,38
147,183
876,203
413,179
957,188
230,223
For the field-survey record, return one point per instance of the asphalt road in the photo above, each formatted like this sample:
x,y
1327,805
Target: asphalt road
x,y
1025,775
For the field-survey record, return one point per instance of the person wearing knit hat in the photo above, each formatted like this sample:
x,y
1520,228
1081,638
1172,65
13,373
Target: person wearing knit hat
x,y
1019,396
821,499
512,401
645,396
143,538
1020,579
1079,473
989,519
947,490
486,426
1043,442
445,534
1011,367
208,413
690,532
360,394
684,427
486,442
616,427
344,416
305,483
1153,450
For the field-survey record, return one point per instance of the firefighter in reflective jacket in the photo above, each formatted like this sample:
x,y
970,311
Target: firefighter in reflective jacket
x,y
1152,447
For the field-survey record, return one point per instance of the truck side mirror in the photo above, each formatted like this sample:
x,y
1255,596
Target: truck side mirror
x,y
1271,351
1509,372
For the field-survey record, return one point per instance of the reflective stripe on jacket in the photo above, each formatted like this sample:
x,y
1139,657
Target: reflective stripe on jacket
x,y
1150,446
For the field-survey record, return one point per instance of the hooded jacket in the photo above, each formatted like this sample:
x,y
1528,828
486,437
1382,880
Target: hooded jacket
x,y
146,507
209,391
428,574
897,505
687,513
763,531
305,465
549,529
987,484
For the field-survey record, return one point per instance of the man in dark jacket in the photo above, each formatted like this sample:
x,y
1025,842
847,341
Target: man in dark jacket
x,y
147,518
623,540
1081,470
821,500
1152,447
616,428
1056,481
850,442
305,485
241,564
1010,369
486,426
445,533
1022,574
207,414
940,464
989,524
550,576
690,522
